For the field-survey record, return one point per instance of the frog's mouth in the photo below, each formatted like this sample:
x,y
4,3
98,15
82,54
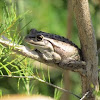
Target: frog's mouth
x,y
35,43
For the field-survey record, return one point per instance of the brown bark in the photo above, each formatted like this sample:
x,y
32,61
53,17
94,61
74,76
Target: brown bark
x,y
89,47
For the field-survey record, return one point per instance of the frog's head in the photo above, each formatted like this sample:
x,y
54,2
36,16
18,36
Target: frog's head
x,y
38,40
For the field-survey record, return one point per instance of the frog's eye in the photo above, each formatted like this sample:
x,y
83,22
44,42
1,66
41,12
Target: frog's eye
x,y
39,37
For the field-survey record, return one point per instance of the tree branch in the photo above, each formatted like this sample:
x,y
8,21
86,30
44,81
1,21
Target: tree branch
x,y
21,49
88,45
74,65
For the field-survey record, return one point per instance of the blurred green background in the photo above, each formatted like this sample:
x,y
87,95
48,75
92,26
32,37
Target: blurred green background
x,y
17,17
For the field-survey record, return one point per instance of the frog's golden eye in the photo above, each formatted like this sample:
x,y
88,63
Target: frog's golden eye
x,y
39,37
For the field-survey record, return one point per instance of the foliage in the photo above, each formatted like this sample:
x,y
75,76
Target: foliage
x,y
15,22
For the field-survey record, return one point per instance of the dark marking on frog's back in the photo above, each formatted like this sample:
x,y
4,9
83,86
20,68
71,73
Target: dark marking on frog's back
x,y
53,36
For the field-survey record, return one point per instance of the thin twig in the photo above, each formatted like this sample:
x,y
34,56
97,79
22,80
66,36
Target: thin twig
x,y
34,77
84,96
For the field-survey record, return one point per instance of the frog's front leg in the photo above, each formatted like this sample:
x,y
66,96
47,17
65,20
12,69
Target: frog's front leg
x,y
56,57
51,56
